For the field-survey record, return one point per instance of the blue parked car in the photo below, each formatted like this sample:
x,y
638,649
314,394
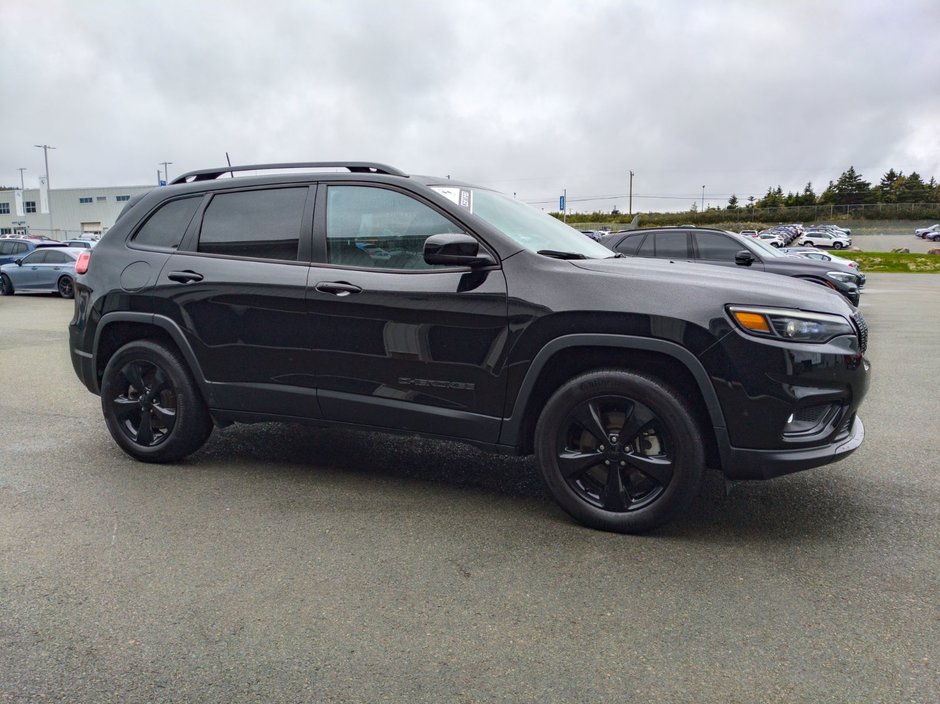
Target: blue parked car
x,y
12,249
44,270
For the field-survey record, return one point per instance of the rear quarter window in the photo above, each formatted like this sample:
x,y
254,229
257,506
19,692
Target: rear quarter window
x,y
166,227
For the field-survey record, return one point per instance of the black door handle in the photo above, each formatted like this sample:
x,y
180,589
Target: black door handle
x,y
337,288
184,277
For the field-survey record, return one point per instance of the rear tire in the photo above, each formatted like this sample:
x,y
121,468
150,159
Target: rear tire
x,y
619,451
65,287
151,404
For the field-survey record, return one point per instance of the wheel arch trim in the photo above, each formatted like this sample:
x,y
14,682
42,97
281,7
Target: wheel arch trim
x,y
512,428
170,328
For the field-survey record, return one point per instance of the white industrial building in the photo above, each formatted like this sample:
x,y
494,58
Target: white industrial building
x,y
66,213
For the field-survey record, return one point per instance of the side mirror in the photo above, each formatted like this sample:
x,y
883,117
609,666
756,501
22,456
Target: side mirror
x,y
744,258
455,249
19,262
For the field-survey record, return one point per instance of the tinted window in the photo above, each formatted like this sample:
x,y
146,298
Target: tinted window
x,y
671,245
20,247
166,227
6,248
374,227
257,224
54,257
717,248
648,248
37,257
628,245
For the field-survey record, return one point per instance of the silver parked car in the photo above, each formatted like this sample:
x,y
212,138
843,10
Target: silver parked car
x,y
44,270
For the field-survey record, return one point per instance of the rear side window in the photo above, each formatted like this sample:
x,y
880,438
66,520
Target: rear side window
x,y
257,224
54,257
166,227
672,245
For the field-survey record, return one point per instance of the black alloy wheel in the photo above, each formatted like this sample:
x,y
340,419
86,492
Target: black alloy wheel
x,y
6,286
619,451
151,405
66,289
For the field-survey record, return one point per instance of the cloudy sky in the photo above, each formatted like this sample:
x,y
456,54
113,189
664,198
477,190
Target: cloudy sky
x,y
527,96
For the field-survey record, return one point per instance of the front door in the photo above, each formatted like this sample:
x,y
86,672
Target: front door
x,y
399,343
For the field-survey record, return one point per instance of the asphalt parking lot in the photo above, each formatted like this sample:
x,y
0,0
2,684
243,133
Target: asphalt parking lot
x,y
288,564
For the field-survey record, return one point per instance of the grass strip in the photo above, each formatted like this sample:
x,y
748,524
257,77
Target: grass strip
x,y
896,262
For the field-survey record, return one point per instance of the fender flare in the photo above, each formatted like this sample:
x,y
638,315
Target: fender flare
x,y
170,327
512,426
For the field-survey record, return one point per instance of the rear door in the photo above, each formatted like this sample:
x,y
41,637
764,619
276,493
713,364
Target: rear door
x,y
399,343
236,288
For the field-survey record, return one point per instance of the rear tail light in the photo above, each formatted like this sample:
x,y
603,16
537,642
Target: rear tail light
x,y
81,264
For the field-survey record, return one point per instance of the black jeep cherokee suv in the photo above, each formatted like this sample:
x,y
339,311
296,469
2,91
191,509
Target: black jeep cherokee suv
x,y
424,306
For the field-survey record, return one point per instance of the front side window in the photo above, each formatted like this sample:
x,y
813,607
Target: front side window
x,y
378,228
166,227
713,247
262,224
36,257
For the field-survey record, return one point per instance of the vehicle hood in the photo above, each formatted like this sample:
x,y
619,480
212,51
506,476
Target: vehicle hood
x,y
802,265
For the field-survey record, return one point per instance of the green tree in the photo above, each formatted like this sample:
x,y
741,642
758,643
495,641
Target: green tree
x,y
888,188
913,190
732,202
851,189
773,199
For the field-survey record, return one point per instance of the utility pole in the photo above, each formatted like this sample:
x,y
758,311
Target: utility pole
x,y
630,209
158,177
703,199
166,171
45,153
22,182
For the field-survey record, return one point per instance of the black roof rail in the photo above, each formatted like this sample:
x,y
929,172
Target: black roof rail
x,y
356,167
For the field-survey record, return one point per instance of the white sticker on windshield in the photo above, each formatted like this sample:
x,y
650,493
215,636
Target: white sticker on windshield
x,y
461,196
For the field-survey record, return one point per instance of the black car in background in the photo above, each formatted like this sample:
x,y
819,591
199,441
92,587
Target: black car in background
x,y
727,249
428,307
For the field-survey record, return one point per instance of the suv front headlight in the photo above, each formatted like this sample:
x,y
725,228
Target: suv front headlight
x,y
841,276
786,324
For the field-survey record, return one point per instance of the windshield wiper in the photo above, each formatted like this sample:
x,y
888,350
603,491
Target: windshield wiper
x,y
561,255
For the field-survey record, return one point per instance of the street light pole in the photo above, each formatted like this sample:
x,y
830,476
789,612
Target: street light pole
x,y
703,199
166,172
630,209
45,153
22,182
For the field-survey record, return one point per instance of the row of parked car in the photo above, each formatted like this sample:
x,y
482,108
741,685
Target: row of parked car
x,y
728,249
40,264
829,236
931,233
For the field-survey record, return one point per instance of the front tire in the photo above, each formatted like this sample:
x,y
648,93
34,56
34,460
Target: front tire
x,y
837,245
151,404
619,451
6,286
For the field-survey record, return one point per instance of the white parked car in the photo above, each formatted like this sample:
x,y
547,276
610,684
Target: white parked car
x,y
771,238
928,233
825,238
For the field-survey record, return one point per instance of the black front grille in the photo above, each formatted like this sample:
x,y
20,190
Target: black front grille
x,y
862,328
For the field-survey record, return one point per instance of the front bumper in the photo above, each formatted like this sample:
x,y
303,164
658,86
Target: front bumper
x,y
739,463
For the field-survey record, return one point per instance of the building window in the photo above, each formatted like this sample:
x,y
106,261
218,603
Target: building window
x,y
119,199
4,208
30,206
6,231
84,200
102,199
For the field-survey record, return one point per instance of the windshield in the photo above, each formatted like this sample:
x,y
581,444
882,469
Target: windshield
x,y
525,225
